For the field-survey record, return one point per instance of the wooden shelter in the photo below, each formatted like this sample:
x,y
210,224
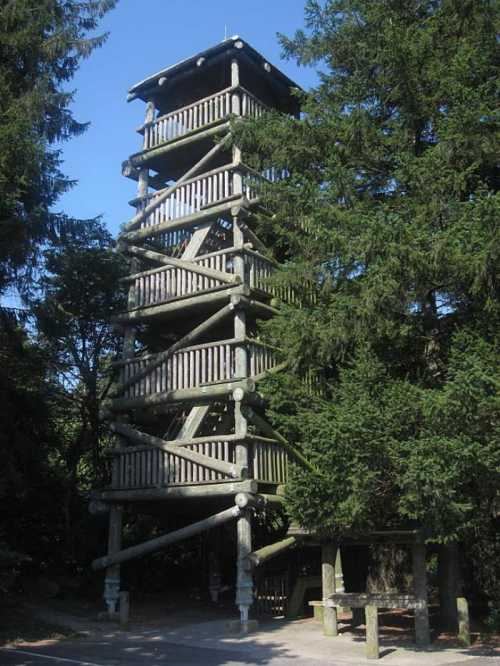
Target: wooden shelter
x,y
189,422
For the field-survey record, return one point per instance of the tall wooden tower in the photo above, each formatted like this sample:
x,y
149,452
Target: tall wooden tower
x,y
189,421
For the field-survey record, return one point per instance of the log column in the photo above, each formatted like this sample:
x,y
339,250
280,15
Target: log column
x,y
328,557
112,578
244,578
244,581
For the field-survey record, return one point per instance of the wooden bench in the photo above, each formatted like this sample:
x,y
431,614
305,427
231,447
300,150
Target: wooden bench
x,y
371,603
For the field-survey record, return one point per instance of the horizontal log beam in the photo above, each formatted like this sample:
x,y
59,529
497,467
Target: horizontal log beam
x,y
212,297
266,553
198,394
260,501
166,540
378,599
139,159
183,222
180,491
235,471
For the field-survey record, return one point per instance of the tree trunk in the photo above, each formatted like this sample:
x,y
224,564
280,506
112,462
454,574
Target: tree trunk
x,y
449,584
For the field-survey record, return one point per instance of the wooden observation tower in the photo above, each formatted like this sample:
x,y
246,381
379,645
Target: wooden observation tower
x,y
190,424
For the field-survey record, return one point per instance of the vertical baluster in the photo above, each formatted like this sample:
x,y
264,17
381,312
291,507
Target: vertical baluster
x,y
215,351
191,366
229,374
173,380
222,361
203,365
209,364
197,368
182,276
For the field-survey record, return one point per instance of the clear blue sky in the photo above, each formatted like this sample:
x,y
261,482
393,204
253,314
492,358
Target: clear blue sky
x,y
146,36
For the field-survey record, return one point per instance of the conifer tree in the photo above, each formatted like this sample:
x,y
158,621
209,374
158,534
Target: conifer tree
x,y
41,46
387,224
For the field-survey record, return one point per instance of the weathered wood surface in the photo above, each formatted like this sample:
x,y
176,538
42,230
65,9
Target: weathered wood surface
x,y
266,553
328,557
372,641
463,621
362,599
190,337
148,209
200,114
189,491
181,454
193,366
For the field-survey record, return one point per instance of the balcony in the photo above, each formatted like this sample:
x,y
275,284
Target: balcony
x,y
197,194
200,115
167,283
137,467
192,367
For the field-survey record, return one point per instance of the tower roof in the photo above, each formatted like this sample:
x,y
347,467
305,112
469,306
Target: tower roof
x,y
231,46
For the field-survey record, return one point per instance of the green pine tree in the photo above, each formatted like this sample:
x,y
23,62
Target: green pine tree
x,y
387,224
41,46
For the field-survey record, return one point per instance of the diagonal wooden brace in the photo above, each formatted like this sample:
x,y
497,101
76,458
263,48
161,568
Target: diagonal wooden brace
x,y
137,219
268,430
182,263
222,466
187,339
161,542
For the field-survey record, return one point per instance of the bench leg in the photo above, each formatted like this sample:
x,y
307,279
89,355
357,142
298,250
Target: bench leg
x,y
372,645
463,621
330,626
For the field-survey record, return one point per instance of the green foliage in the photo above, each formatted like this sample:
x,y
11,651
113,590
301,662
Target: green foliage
x,y
389,214
52,364
41,46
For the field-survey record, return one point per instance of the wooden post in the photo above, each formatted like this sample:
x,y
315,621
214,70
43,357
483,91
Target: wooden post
x,y
244,580
328,556
372,643
236,110
112,578
422,631
463,621
150,116
124,609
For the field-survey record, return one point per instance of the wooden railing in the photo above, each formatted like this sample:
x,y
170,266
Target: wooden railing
x,y
168,282
194,366
151,467
270,462
207,189
199,114
171,282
